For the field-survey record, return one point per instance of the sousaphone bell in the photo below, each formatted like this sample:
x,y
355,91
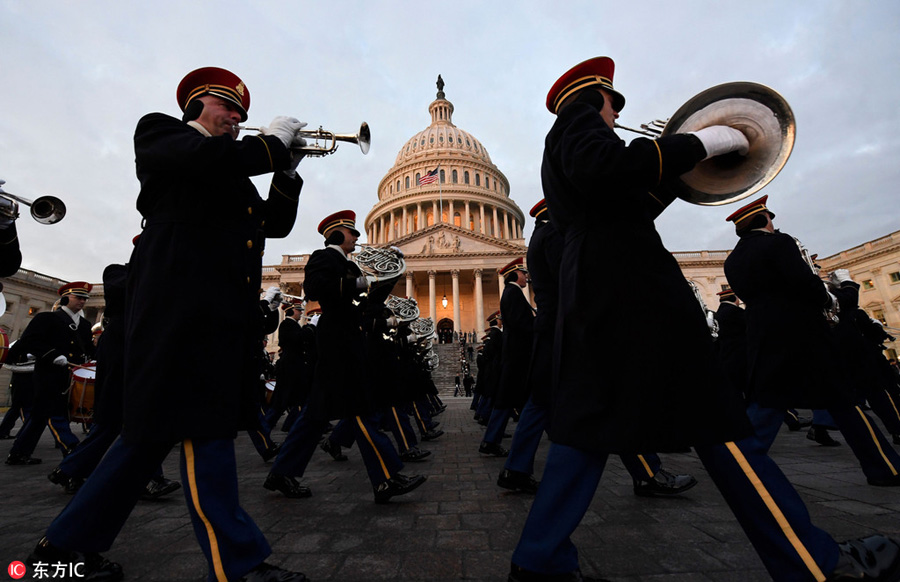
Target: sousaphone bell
x,y
760,113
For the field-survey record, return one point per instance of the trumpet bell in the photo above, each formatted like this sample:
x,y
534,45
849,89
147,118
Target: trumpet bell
x,y
48,210
364,138
762,115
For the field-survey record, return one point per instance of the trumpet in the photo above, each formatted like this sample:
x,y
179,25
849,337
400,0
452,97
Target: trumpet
x,y
302,300
45,210
324,141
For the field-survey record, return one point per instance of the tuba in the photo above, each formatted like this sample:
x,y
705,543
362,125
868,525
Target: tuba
x,y
831,313
709,314
760,113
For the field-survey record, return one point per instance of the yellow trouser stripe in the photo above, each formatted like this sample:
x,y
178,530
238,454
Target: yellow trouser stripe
x,y
387,474
893,404
419,418
776,512
875,440
402,434
195,499
646,465
55,434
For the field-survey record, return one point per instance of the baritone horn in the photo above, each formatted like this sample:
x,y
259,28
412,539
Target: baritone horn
x,y
755,110
45,210
324,142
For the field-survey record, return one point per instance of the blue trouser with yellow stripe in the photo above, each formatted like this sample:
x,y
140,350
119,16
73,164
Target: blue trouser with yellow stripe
x,y
397,420
230,540
762,499
379,455
527,438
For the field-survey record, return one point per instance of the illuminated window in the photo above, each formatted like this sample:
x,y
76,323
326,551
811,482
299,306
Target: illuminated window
x,y
33,310
868,284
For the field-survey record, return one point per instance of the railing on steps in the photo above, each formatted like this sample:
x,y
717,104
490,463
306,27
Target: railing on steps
x,y
450,365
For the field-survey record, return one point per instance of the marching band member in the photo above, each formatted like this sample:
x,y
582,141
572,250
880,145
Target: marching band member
x,y
794,359
340,389
57,339
588,173
201,214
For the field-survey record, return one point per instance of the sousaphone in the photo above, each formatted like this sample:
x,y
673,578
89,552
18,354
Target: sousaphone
x,y
756,110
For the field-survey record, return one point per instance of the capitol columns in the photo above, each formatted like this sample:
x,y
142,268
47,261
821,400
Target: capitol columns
x,y
466,219
481,206
456,324
432,296
410,279
479,302
496,232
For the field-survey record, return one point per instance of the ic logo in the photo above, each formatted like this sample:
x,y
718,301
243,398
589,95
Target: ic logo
x,y
16,570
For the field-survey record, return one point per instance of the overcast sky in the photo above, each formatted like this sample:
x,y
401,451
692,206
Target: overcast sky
x,y
78,75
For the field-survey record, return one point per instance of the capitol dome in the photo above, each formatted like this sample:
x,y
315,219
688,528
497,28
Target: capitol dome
x,y
467,190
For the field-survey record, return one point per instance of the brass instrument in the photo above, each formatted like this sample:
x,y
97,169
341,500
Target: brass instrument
x,y
383,264
324,141
709,314
758,112
45,210
404,308
423,327
831,313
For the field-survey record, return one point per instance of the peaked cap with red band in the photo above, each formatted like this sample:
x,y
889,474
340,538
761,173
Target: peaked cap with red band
x,y
214,81
78,288
515,265
741,215
493,317
538,209
726,295
596,72
343,218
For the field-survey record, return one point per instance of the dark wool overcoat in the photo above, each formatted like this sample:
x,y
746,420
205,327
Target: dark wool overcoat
x,y
544,254
518,335
792,356
633,360
204,233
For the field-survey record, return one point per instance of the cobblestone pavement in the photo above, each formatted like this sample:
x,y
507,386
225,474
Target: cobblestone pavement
x,y
459,525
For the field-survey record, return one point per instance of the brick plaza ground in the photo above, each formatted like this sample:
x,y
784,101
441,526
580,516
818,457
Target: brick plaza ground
x,y
459,525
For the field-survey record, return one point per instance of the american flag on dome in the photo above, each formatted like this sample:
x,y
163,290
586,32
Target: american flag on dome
x,y
429,177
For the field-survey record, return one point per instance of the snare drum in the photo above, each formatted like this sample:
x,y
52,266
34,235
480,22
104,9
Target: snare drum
x,y
81,394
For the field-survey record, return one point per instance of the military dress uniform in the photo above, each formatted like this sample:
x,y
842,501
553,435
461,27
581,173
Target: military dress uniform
x,y
202,214
340,389
589,174
49,335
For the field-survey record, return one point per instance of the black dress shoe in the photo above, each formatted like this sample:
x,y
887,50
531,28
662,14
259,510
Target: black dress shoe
x,y
6,437
518,481
287,485
269,573
431,435
892,481
821,436
397,485
896,438
414,455
493,450
70,484
13,459
664,483
333,449
96,568
518,574
271,452
871,558
159,486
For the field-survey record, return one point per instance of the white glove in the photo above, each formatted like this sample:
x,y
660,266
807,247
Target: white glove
x,y
392,321
284,128
60,361
840,276
721,139
366,281
398,251
273,298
